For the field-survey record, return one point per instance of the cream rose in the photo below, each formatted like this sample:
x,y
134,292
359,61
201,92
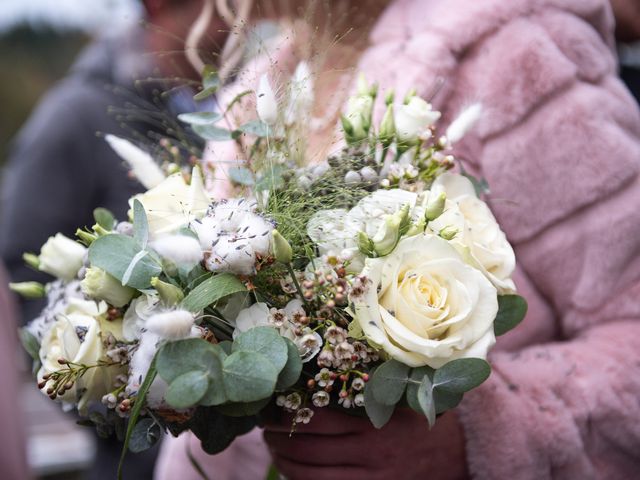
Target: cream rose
x,y
61,257
413,119
78,336
488,247
425,305
174,203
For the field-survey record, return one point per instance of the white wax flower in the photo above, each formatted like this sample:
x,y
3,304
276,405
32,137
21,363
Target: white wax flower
x,y
413,119
424,305
174,203
266,103
61,257
143,166
77,336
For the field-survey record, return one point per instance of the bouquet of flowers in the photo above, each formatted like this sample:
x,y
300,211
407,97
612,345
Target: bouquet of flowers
x,y
374,280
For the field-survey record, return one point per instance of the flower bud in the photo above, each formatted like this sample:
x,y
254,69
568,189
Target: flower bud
x,y
435,207
410,94
32,260
389,233
281,248
266,104
359,112
449,232
365,244
99,285
387,127
86,237
28,289
169,294
61,257
389,96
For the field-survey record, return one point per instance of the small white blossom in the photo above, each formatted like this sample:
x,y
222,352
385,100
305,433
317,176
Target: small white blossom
x,y
335,335
324,378
358,400
321,399
357,384
293,401
281,400
346,402
304,415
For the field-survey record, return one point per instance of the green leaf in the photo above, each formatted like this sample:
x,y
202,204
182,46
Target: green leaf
x,y
425,399
389,382
256,127
511,311
446,400
183,356
134,262
212,290
205,93
292,369
378,413
113,253
462,375
243,409
265,341
30,343
226,346
145,435
135,411
140,224
187,390
241,176
104,218
200,118
216,431
273,473
210,78
237,98
248,376
416,376
213,133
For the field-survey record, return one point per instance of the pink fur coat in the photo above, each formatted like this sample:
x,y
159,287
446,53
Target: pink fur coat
x,y
559,144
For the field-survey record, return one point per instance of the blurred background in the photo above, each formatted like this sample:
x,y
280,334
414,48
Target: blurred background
x,y
39,40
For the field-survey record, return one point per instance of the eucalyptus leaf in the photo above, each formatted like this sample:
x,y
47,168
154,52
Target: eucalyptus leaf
x,y
212,133
216,431
461,375
205,93
241,176
191,354
416,376
145,435
30,343
265,341
114,252
511,311
104,218
212,290
210,77
426,401
378,413
389,382
290,374
140,224
446,400
200,118
186,390
248,376
256,127
243,409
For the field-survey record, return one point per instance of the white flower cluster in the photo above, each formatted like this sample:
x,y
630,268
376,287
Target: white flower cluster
x,y
233,236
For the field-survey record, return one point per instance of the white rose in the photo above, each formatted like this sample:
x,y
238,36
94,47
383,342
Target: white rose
x,y
174,203
61,257
413,119
78,336
488,247
425,305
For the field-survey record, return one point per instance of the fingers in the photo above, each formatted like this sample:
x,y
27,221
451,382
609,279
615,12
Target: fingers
x,y
324,422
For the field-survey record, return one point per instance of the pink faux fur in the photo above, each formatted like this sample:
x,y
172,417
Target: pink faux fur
x,y
560,146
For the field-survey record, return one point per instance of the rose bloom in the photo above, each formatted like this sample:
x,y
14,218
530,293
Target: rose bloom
x,y
174,204
78,336
480,237
61,257
425,305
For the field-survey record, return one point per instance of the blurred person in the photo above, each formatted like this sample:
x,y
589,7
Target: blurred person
x,y
561,137
60,170
13,459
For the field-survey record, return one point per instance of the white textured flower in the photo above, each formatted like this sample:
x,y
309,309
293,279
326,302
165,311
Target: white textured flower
x,y
174,203
137,314
413,119
171,324
463,123
59,294
99,285
142,165
425,305
61,257
479,233
266,103
78,336
179,249
233,236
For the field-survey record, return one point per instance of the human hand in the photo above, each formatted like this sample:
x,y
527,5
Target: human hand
x,y
335,446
